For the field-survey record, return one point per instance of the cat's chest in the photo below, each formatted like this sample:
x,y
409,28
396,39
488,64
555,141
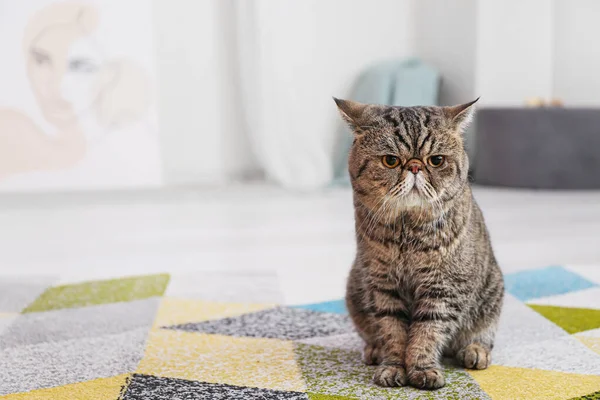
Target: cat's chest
x,y
413,269
407,261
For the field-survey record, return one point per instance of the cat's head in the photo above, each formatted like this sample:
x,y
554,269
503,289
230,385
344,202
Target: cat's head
x,y
407,157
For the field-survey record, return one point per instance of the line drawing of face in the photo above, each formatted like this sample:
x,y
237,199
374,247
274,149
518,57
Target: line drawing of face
x,y
70,74
77,87
61,65
84,77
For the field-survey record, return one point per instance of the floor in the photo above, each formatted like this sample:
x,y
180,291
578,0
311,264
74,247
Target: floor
x,y
299,235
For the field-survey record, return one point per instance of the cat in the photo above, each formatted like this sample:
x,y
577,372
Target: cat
x,y
425,282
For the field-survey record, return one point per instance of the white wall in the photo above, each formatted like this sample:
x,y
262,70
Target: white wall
x,y
538,48
306,51
576,54
509,51
514,50
445,34
187,54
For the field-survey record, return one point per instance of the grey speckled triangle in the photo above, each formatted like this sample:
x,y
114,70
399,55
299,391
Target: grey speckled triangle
x,y
145,387
47,365
566,354
76,323
280,323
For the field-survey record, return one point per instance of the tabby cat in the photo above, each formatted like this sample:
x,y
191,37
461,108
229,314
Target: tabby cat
x,y
425,282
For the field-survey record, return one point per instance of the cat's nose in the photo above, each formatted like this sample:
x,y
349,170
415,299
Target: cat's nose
x,y
414,166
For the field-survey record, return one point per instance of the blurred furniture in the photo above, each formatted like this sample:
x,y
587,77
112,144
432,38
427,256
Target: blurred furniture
x,y
541,148
399,82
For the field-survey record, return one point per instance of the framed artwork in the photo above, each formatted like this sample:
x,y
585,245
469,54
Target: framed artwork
x,y
77,95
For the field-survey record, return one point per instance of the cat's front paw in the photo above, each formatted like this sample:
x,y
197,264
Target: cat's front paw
x,y
474,356
372,354
390,376
432,378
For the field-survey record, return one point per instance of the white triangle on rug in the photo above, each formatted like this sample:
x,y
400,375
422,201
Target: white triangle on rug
x,y
586,298
6,320
226,286
590,333
589,272
566,354
520,325
300,286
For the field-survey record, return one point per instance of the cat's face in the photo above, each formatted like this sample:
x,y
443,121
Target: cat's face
x,y
406,157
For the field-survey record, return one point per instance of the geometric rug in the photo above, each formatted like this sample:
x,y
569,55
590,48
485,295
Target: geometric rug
x,y
223,335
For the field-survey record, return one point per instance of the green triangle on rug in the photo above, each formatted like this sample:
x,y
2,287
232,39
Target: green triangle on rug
x,y
572,320
341,374
93,293
591,396
320,396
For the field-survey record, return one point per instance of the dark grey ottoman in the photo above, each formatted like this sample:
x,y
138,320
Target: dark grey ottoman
x,y
542,148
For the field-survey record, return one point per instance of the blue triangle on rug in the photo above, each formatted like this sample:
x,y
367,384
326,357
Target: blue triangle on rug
x,y
332,306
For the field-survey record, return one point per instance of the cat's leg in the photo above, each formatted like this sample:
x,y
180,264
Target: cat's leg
x,y
472,346
474,349
384,327
372,353
367,329
393,334
434,322
380,317
476,355
390,321
357,305
427,339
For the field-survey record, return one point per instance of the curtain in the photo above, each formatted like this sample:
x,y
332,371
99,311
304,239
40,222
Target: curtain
x,y
276,41
296,55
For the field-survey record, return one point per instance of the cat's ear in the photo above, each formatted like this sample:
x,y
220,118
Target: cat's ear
x,y
461,115
352,112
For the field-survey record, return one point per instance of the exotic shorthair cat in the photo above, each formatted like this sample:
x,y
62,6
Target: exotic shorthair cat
x,y
425,282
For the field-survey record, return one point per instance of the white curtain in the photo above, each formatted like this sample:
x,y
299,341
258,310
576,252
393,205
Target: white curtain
x,y
275,43
266,72
296,55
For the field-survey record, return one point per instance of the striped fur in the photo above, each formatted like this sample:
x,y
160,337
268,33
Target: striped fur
x,y
425,281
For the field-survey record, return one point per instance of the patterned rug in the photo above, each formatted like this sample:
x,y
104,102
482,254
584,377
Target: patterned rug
x,y
227,336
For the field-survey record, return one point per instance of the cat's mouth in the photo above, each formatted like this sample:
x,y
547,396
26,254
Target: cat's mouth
x,y
417,191
412,183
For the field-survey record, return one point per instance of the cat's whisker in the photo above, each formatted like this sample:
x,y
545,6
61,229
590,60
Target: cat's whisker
x,y
370,213
374,219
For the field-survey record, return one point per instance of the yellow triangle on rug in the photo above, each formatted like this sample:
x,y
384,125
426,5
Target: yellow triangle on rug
x,y
591,342
98,389
509,383
175,311
240,361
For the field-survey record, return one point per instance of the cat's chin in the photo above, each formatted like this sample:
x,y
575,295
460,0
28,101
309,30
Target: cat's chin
x,y
412,199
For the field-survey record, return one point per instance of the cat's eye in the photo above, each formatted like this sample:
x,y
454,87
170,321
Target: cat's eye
x,y
391,161
436,161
